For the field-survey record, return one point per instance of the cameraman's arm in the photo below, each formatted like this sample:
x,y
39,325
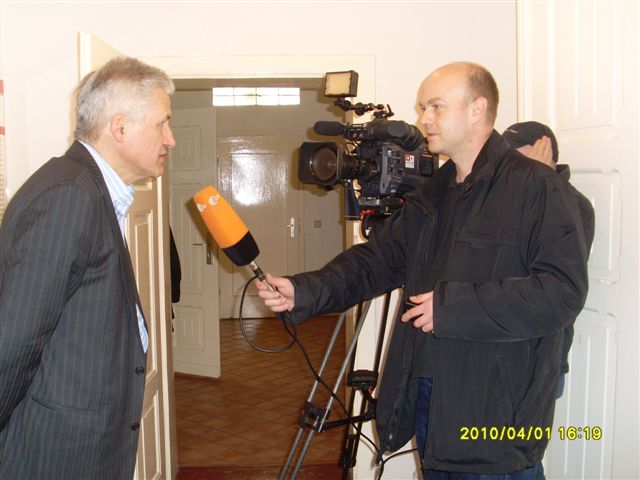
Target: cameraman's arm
x,y
363,271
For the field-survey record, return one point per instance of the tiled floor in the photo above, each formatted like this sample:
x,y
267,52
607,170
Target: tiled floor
x,y
249,416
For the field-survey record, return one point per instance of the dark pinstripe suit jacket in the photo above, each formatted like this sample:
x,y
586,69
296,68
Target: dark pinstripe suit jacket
x,y
71,361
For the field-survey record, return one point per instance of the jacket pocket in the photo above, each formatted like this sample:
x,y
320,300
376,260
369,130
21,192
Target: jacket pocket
x,y
504,385
488,251
65,409
75,430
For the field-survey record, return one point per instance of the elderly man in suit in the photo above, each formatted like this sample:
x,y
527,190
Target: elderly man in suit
x,y
73,339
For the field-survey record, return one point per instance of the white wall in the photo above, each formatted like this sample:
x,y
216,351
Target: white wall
x,y
408,40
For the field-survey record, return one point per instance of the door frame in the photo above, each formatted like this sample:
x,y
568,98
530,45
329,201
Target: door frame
x,y
280,66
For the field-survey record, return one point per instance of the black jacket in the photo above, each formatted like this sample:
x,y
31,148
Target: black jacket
x,y
587,216
515,279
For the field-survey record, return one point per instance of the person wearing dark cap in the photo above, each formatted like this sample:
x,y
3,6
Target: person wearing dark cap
x,y
538,142
534,140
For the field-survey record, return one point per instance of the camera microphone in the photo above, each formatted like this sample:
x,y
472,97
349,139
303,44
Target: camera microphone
x,y
401,133
330,129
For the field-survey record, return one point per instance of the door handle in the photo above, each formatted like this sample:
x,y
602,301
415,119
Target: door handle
x,y
209,249
292,227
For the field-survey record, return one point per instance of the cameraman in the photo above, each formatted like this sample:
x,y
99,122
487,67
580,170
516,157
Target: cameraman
x,y
538,142
493,265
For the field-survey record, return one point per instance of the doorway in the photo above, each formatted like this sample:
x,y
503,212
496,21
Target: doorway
x,y
264,139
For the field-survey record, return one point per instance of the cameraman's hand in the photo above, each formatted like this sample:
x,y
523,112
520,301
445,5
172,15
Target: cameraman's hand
x,y
422,313
282,299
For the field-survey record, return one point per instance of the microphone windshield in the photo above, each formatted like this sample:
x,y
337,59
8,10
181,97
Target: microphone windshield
x,y
226,227
332,129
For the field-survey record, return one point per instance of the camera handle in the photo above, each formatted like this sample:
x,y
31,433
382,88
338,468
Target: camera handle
x,y
314,418
379,110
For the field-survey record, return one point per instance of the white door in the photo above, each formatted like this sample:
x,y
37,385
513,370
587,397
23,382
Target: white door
x,y
196,336
578,65
256,176
146,228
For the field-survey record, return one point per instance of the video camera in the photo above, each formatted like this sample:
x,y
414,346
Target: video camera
x,y
387,158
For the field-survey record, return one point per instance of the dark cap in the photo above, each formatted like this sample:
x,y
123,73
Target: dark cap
x,y
526,133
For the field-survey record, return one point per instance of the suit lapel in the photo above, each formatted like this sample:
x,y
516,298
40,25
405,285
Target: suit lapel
x,y
79,153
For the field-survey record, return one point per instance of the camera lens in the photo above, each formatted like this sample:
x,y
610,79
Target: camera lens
x,y
323,164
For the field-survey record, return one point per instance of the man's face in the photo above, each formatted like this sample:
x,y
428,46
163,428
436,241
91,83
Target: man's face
x,y
148,140
446,111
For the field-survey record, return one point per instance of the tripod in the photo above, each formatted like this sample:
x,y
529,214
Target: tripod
x,y
314,418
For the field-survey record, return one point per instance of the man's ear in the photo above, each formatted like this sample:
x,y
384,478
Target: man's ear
x,y
117,126
479,108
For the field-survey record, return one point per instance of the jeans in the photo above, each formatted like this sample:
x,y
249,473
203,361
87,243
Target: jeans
x,y
421,424
560,386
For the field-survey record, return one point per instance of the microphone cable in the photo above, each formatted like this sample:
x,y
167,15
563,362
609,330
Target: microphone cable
x,y
246,335
293,333
380,470
291,330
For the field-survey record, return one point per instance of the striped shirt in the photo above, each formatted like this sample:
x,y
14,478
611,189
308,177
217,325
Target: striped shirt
x,y
122,197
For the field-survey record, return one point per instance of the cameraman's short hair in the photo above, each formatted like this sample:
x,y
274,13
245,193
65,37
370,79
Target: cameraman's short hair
x,y
123,85
482,84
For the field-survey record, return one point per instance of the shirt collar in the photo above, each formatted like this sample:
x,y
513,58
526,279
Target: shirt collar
x,y
121,194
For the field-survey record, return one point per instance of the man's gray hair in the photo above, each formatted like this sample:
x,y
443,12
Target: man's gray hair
x,y
123,85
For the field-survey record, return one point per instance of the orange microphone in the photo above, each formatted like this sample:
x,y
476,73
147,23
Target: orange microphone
x,y
228,229
226,226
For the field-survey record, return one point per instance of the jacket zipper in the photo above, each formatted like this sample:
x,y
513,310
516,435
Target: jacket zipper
x,y
431,216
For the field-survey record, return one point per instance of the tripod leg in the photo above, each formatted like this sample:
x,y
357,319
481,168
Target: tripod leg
x,y
352,442
347,458
343,369
347,438
294,447
314,387
303,453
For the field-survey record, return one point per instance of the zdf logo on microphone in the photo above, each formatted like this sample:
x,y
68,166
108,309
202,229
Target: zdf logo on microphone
x,y
213,201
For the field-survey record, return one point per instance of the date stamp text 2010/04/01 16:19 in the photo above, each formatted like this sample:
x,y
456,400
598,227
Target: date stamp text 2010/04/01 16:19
x,y
506,432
